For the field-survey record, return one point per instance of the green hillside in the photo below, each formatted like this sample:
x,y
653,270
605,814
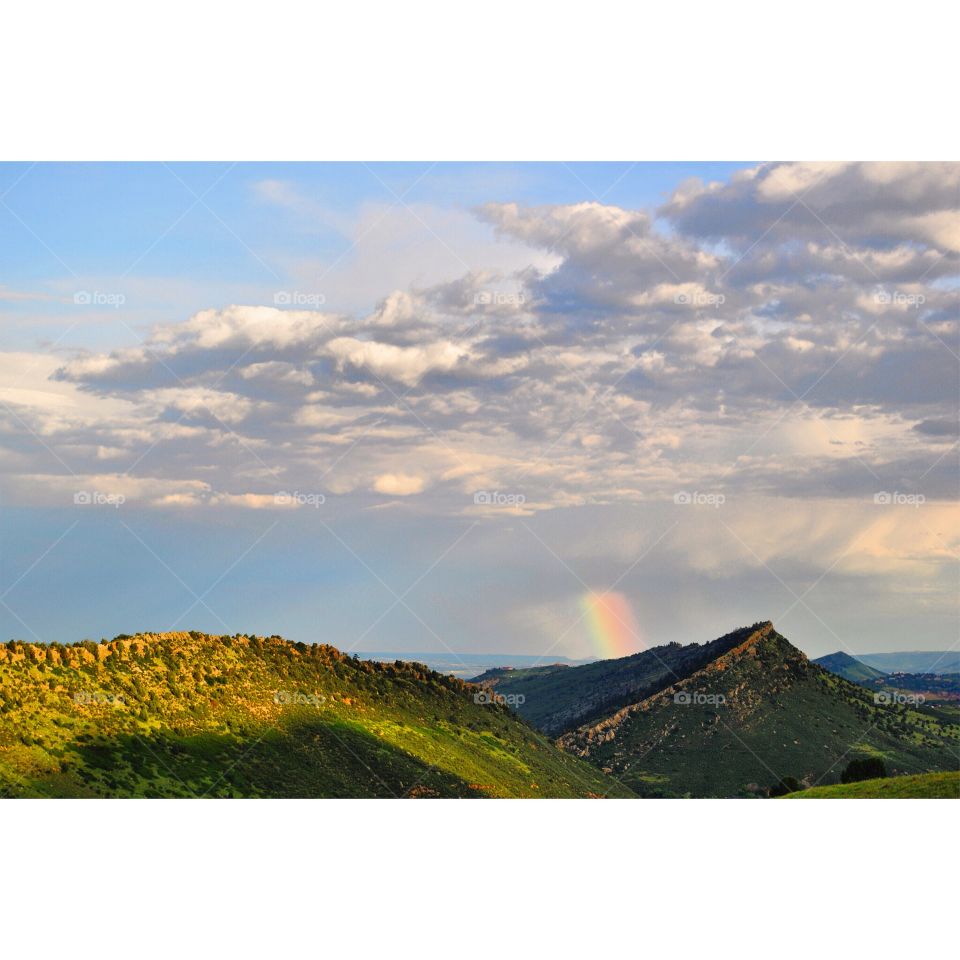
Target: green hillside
x,y
931,786
190,715
843,665
557,698
758,713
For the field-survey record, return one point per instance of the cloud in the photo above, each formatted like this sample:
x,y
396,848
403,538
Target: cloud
x,y
196,402
872,204
278,372
406,364
398,484
786,339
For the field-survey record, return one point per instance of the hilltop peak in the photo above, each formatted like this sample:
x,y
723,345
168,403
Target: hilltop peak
x,y
840,657
850,668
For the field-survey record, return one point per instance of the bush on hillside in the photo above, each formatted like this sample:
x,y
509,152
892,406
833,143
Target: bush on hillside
x,y
867,768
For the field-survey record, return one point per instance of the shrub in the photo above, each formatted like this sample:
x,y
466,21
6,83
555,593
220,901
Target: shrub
x,y
867,768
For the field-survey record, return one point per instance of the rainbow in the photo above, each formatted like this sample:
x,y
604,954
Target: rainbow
x,y
613,629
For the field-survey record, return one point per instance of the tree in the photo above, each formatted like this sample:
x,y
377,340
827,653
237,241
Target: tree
x,y
867,768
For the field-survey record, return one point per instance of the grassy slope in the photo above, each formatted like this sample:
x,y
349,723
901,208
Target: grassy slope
x,y
936,786
783,716
558,699
193,715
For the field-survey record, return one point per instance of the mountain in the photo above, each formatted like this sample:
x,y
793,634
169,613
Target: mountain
x,y
559,698
914,661
843,665
191,715
733,718
930,786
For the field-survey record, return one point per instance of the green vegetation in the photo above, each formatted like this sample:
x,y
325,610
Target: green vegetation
x,y
755,716
843,665
190,715
931,786
557,698
865,768
783,787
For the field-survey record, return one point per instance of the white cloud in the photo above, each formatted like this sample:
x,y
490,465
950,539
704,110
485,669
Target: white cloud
x,y
406,364
608,365
278,372
398,484
197,401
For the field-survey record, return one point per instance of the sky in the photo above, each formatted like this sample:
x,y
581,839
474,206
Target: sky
x,y
541,408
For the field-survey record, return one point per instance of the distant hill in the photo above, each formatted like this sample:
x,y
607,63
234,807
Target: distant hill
x,y
757,714
730,718
914,661
557,699
191,715
931,786
843,665
465,665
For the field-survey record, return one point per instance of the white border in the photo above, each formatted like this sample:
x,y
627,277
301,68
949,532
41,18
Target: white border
x,y
747,80
427,79
537,879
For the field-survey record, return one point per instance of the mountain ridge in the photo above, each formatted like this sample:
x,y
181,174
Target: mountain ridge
x,y
758,714
545,695
191,714
736,716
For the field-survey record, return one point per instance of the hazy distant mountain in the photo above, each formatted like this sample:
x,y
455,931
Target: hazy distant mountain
x,y
843,665
466,665
191,715
911,661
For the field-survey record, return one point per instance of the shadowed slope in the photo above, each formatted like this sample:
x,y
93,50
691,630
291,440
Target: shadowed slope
x,y
558,698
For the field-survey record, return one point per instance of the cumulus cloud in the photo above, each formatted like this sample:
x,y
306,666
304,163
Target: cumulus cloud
x,y
790,335
406,364
398,484
868,204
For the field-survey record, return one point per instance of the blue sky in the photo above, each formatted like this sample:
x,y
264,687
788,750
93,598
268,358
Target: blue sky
x,y
723,392
205,229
